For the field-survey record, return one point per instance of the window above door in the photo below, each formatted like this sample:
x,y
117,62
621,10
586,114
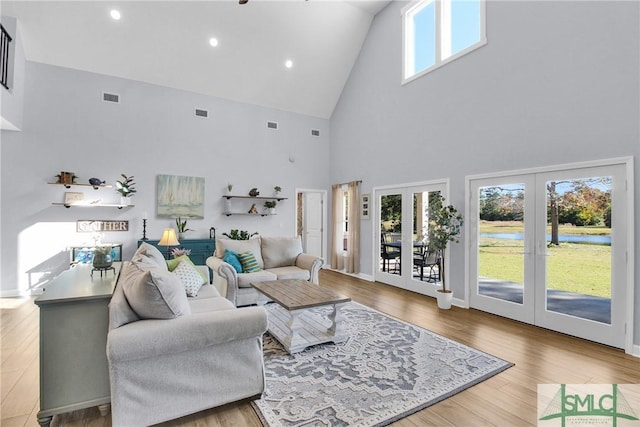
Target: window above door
x,y
435,32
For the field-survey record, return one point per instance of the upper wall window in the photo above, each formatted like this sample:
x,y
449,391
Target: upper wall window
x,y
436,32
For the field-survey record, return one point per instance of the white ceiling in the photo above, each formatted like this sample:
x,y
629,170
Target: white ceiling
x,y
167,43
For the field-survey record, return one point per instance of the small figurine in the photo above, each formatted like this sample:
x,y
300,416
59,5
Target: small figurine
x,y
96,181
254,192
253,209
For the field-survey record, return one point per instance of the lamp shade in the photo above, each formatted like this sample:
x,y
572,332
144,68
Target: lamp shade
x,y
168,238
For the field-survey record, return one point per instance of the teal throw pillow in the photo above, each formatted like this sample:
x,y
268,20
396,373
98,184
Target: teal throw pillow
x,y
249,262
231,257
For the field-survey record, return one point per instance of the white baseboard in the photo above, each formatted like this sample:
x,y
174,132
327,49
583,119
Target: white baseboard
x,y
635,351
11,293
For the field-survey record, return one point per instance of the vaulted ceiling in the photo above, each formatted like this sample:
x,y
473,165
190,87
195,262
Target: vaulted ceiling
x,y
167,43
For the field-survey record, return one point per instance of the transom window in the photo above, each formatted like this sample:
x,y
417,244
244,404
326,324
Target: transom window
x,y
436,32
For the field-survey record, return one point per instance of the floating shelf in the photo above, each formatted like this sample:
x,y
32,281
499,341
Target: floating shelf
x,y
229,196
95,205
95,187
247,214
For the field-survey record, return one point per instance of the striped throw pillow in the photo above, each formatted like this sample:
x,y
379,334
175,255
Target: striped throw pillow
x,y
249,262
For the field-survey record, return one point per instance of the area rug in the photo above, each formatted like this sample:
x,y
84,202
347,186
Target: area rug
x,y
386,370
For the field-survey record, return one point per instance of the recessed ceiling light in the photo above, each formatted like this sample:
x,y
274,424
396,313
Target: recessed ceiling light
x,y
115,14
288,63
213,41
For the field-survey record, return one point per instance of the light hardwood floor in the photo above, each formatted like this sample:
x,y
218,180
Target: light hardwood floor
x,y
507,399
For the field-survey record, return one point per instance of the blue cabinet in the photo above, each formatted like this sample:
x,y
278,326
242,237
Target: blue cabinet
x,y
201,249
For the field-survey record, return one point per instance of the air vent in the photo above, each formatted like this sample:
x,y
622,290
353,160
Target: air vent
x,y
272,125
202,113
315,132
110,97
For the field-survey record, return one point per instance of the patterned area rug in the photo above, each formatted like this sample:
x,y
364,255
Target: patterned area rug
x,y
387,370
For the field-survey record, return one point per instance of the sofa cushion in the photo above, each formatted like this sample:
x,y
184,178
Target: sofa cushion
x,y
148,256
173,263
155,293
209,304
231,257
206,291
189,277
240,246
249,262
245,279
280,251
120,312
284,273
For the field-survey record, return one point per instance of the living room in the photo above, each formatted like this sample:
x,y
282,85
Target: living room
x,y
556,84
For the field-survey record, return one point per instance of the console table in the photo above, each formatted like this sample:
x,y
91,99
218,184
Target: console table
x,y
74,322
201,249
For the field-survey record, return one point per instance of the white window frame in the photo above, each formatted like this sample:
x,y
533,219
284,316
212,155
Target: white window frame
x,y
442,32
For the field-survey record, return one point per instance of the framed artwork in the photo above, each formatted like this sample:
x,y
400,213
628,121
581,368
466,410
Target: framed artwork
x,y
72,198
366,206
180,196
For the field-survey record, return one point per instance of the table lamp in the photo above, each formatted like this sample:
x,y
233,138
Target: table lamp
x,y
168,239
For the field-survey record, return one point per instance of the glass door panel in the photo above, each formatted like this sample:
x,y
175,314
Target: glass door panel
x,y
578,254
501,257
501,242
390,220
425,264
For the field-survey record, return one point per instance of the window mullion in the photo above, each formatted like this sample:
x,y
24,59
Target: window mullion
x,y
445,28
438,31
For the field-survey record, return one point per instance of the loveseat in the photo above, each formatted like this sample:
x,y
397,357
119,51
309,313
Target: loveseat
x,y
171,355
276,258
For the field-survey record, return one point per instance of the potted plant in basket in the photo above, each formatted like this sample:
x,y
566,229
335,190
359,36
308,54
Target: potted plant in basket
x,y
445,225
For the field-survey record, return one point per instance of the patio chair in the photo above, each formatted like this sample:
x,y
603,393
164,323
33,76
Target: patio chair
x,y
388,253
428,259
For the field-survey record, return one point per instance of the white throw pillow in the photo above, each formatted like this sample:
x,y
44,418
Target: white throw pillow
x,y
189,277
155,294
280,251
148,256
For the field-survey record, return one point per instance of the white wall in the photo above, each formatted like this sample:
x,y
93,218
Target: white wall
x,y
558,82
152,131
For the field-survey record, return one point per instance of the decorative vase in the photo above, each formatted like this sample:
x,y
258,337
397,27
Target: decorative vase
x,y
272,211
444,299
102,257
124,201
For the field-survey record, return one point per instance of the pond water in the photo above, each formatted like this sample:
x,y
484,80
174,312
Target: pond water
x,y
587,239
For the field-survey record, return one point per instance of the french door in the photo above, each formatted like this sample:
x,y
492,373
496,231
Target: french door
x,y
549,248
400,240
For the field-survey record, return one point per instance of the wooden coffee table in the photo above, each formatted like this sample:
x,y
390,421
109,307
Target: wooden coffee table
x,y
292,323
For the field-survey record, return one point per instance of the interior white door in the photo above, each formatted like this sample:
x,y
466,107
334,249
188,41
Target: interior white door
x,y
550,248
313,219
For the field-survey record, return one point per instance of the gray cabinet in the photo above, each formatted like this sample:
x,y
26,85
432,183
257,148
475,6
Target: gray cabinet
x,y
74,322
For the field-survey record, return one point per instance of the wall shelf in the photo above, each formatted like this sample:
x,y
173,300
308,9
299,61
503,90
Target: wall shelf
x,y
278,198
95,187
94,205
229,211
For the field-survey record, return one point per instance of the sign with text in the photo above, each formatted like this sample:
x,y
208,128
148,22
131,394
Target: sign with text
x,y
89,226
563,405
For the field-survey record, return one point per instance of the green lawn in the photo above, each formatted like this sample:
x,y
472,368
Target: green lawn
x,y
580,268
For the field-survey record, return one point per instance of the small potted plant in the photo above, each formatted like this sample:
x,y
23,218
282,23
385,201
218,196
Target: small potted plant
x,y
445,224
229,188
276,190
126,188
182,227
270,205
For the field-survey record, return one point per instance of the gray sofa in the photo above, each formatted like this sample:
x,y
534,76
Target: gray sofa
x,y
171,355
278,258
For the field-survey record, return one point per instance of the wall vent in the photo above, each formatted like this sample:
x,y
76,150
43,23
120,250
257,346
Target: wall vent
x,y
272,125
315,132
202,113
111,97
